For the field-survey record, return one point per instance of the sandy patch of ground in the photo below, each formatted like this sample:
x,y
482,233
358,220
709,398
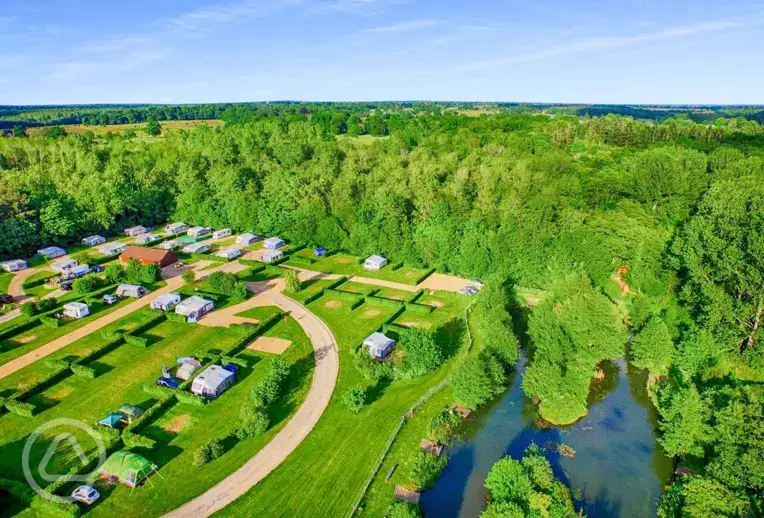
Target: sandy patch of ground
x,y
618,278
411,275
439,281
25,339
332,304
371,313
61,394
435,303
343,260
177,423
532,301
269,344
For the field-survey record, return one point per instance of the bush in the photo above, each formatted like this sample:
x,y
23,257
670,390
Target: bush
x,y
403,510
343,295
134,440
29,309
425,468
422,354
133,272
443,427
422,309
176,317
254,421
478,380
188,276
83,371
45,305
50,322
138,341
355,398
87,284
293,284
189,398
158,390
57,364
150,273
370,368
20,408
114,274
269,388
208,452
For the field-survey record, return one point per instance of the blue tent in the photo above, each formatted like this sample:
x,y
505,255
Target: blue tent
x,y
112,419
318,252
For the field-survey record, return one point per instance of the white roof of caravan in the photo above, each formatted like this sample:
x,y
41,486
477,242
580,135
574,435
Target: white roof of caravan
x,y
167,298
64,263
94,238
270,254
14,262
176,224
376,259
75,305
195,247
214,376
377,339
128,287
229,252
116,245
222,230
198,228
245,237
136,227
50,250
192,303
272,241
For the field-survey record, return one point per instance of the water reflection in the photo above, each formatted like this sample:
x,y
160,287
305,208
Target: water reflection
x,y
618,470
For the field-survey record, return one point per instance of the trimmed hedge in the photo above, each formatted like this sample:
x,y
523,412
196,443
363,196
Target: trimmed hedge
x,y
134,440
337,283
187,398
153,322
20,408
157,390
396,266
314,297
424,275
52,378
250,262
385,303
97,353
110,335
343,295
176,317
415,296
393,328
138,341
357,304
83,371
300,259
419,308
14,330
50,322
57,364
241,362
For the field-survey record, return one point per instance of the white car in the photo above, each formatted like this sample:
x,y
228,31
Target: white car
x,y
476,284
86,494
468,290
109,299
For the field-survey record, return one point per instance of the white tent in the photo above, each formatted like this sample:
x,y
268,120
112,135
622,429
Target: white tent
x,y
63,264
247,239
93,240
14,265
165,302
76,310
196,248
213,381
374,262
134,231
379,345
131,290
171,244
273,243
229,253
142,239
112,248
270,256
186,370
176,228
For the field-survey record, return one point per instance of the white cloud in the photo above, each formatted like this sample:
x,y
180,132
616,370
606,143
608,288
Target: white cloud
x,y
412,25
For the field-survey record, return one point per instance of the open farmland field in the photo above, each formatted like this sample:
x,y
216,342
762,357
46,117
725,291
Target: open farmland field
x,y
139,128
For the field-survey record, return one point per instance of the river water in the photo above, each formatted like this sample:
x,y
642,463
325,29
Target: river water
x,y
618,470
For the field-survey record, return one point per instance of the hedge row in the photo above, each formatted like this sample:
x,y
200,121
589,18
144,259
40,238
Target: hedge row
x,y
20,408
424,275
83,371
176,317
385,303
153,322
250,262
419,308
313,297
19,328
57,364
50,322
336,283
393,328
138,341
396,266
134,440
189,398
343,295
301,259
17,403
97,353
415,296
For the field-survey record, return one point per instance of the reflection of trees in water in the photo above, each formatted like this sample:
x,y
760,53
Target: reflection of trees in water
x,y
601,389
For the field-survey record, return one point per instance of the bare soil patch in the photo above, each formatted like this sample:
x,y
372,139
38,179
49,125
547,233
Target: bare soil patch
x,y
371,313
177,423
332,304
269,344
25,339
343,260
61,393
435,303
441,282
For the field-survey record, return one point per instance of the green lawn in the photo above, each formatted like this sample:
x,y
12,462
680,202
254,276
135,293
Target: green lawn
x,y
41,334
350,265
5,281
260,313
179,430
329,469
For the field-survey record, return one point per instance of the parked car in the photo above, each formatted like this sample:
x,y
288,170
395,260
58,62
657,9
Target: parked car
x,y
86,494
97,269
469,290
231,367
6,299
66,286
168,382
110,299
476,284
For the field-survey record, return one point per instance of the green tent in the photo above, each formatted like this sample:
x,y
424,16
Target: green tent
x,y
130,468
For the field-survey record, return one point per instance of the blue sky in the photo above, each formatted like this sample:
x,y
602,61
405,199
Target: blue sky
x,y
174,51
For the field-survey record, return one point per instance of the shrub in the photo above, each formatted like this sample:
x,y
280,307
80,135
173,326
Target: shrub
x,y
45,305
355,398
134,440
425,468
403,510
443,426
207,452
293,284
176,317
134,272
254,421
86,284
50,322
421,309
57,364
110,335
478,380
370,368
269,388
114,274
239,291
189,398
188,276
422,354
83,371
150,273
157,390
138,341
29,309
20,408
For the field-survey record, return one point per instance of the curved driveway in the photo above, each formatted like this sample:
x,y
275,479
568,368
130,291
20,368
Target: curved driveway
x,y
294,432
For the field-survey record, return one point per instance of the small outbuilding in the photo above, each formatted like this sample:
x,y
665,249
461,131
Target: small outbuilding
x,y
165,302
63,264
93,240
14,265
134,231
198,232
194,308
128,468
270,256
171,244
176,228
247,239
273,243
51,252
76,310
196,248
229,253
431,447
113,248
143,239
379,345
131,290
374,262
146,255
212,382
220,234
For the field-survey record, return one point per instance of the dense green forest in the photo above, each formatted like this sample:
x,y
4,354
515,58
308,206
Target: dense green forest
x,y
646,239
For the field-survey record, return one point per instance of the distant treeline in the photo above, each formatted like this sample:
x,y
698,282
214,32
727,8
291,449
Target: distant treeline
x,y
105,114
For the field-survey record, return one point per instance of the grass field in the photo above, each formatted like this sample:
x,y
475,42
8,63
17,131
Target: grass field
x,y
331,466
5,281
139,128
179,431
350,265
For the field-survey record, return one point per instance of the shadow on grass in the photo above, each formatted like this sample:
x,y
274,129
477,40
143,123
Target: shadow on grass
x,y
300,374
378,390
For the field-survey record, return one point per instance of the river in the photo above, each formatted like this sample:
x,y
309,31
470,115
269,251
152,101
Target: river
x,y
618,470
